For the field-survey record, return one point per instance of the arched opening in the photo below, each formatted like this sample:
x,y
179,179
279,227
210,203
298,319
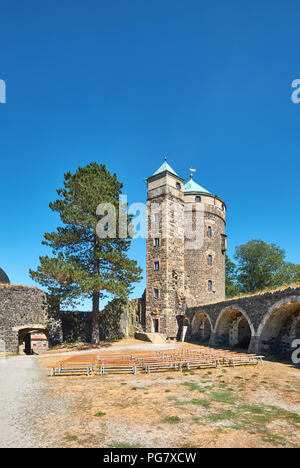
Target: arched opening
x,y
280,328
201,328
233,330
33,341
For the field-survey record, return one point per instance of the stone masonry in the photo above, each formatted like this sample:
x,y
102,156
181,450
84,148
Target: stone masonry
x,y
265,323
186,246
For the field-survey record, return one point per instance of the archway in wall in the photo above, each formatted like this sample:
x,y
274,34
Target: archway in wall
x,y
32,340
233,330
201,328
280,328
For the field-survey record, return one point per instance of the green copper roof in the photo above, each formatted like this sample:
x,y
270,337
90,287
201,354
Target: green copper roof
x,y
191,187
165,167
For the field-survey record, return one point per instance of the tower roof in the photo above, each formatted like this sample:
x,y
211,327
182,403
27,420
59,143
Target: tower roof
x,y
165,167
192,187
3,277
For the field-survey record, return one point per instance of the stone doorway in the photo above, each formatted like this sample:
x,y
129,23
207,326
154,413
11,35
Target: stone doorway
x,y
32,341
155,323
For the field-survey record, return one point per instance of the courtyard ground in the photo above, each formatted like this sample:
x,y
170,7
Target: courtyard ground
x,y
252,406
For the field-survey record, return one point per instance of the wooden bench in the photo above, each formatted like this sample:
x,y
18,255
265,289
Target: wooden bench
x,y
162,366
64,368
117,369
200,363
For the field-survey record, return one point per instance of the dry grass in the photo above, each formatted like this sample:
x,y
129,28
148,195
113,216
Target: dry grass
x,y
251,406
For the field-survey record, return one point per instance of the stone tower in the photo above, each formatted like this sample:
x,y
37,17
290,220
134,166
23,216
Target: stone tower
x,y
204,259
165,250
186,246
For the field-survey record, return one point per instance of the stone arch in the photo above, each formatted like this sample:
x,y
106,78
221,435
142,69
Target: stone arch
x,y
280,326
24,333
201,327
233,329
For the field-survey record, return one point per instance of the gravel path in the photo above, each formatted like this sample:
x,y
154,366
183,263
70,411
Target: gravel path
x,y
26,405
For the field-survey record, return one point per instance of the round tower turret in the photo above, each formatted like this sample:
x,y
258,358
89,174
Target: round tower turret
x,y
204,259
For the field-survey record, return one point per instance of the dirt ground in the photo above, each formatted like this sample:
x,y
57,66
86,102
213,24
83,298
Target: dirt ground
x,y
250,406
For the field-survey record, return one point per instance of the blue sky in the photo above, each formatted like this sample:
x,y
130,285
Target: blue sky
x,y
124,83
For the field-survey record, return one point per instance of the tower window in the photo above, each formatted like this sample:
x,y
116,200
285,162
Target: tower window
x,y
156,293
156,217
210,285
198,199
156,266
156,242
209,260
178,186
223,207
209,231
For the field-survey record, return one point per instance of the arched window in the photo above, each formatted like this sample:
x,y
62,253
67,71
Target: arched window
x,y
209,231
210,285
210,260
198,199
156,293
178,186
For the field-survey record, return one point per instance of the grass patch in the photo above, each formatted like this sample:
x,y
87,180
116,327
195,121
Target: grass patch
x,y
224,397
71,437
192,386
171,419
223,415
99,414
201,402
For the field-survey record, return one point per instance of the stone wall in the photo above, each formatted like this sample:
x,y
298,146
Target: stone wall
x,y
267,322
22,309
120,318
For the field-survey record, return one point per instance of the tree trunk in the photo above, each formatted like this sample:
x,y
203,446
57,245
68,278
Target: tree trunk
x,y
95,319
96,299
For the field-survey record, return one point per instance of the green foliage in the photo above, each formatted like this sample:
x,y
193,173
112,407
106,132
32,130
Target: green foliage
x,y
83,265
232,287
260,266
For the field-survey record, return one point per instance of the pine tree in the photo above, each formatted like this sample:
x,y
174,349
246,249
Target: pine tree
x,y
84,265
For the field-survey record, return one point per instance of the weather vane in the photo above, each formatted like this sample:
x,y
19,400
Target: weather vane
x,y
192,170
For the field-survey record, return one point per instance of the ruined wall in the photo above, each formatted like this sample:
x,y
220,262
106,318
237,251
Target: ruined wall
x,y
27,309
120,318
21,309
